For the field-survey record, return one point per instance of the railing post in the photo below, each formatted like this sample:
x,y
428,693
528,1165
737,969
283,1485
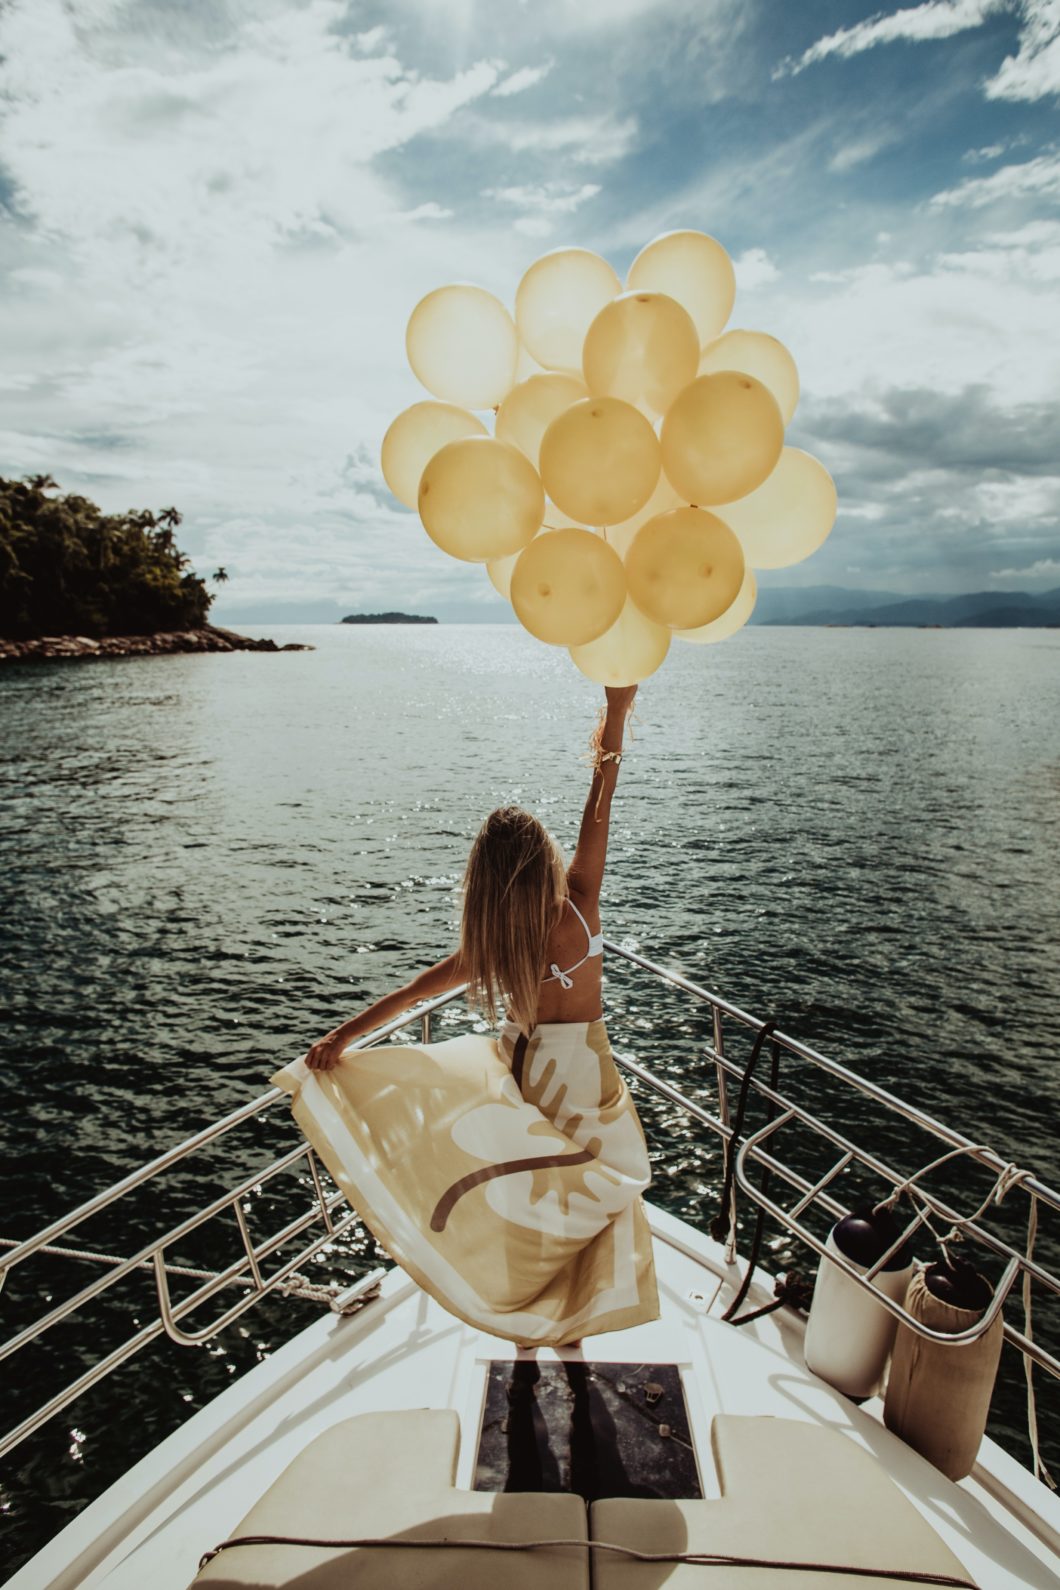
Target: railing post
x,y
723,1116
425,1026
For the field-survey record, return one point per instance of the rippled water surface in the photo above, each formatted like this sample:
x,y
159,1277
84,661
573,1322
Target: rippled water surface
x,y
210,860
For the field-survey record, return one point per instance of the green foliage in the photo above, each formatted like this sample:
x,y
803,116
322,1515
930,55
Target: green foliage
x,y
66,568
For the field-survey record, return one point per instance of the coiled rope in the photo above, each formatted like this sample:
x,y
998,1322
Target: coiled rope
x,y
1008,1177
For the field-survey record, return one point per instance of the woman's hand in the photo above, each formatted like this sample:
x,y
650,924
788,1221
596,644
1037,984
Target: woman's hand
x,y
326,1053
619,697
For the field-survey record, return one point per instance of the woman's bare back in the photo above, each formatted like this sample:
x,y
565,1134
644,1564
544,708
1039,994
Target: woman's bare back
x,y
566,946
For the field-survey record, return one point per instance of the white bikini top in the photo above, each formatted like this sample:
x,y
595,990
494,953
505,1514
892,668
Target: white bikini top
x,y
595,947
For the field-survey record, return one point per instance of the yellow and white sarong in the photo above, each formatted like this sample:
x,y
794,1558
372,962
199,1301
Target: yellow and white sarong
x,y
505,1175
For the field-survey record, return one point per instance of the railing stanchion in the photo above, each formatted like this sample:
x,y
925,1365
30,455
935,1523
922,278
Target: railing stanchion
x,y
246,1273
723,1116
321,1199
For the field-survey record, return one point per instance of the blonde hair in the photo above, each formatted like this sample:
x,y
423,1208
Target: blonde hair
x,y
514,887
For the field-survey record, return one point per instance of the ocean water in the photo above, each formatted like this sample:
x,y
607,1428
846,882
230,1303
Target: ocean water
x,y
208,861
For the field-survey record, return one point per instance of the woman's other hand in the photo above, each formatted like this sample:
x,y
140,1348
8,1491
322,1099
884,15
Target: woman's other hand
x,y
326,1053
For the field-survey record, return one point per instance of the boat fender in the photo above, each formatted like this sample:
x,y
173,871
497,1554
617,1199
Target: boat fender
x,y
938,1394
849,1335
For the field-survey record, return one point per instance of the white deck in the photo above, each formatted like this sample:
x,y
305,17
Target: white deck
x,y
402,1350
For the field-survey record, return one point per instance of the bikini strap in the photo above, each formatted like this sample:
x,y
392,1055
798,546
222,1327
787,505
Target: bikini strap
x,y
596,940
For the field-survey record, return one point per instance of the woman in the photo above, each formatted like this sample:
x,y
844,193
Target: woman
x,y
505,1176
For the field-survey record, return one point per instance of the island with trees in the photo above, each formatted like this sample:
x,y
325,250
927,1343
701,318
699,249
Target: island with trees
x,y
386,618
78,582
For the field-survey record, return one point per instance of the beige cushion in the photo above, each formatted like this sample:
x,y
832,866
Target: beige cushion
x,y
792,1492
391,1474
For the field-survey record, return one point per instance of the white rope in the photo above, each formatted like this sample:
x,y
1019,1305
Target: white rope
x,y
1008,1177
1040,1471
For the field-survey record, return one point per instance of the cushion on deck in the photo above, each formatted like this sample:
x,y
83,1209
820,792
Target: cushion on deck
x,y
391,1474
792,1492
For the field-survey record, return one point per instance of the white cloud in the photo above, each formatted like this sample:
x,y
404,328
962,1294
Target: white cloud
x,y
542,203
1038,178
976,157
858,151
754,268
1025,500
555,198
1006,260
1042,569
519,82
591,140
936,19
945,322
1034,71
425,212
208,280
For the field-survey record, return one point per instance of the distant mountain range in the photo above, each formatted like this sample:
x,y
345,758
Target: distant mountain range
x,y
809,604
832,604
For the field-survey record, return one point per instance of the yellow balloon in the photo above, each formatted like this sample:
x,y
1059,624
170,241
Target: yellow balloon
x,y
734,617
627,652
694,269
500,571
480,499
557,300
789,516
526,365
556,519
600,461
414,438
462,345
722,437
756,353
531,406
642,348
621,535
568,587
684,568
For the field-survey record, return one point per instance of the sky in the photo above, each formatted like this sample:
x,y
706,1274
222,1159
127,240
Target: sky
x,y
218,215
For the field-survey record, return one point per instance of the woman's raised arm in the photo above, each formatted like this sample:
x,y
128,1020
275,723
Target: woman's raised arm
x,y
437,979
586,872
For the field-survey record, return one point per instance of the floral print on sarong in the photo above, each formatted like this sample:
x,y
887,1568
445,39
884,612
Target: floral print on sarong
x,y
504,1175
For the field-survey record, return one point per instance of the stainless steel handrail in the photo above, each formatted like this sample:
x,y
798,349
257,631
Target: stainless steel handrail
x,y
753,1149
872,1090
246,1271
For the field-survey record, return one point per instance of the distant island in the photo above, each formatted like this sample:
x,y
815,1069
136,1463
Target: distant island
x,y
386,618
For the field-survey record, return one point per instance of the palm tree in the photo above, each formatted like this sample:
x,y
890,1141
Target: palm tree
x,y
220,576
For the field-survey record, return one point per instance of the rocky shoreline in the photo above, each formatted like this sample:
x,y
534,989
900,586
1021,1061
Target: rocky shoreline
x,y
53,648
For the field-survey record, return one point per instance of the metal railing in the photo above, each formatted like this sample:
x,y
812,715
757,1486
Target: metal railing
x,y
1017,1264
246,1270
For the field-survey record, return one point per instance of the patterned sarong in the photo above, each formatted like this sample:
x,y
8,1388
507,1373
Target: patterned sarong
x,y
504,1176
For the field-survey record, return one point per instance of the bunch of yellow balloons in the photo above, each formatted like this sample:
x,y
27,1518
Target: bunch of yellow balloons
x,y
636,475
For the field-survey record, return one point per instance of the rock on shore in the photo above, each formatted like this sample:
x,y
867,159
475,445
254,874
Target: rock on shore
x,y
50,648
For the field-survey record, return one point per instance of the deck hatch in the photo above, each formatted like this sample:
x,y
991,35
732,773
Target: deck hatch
x,y
595,1429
